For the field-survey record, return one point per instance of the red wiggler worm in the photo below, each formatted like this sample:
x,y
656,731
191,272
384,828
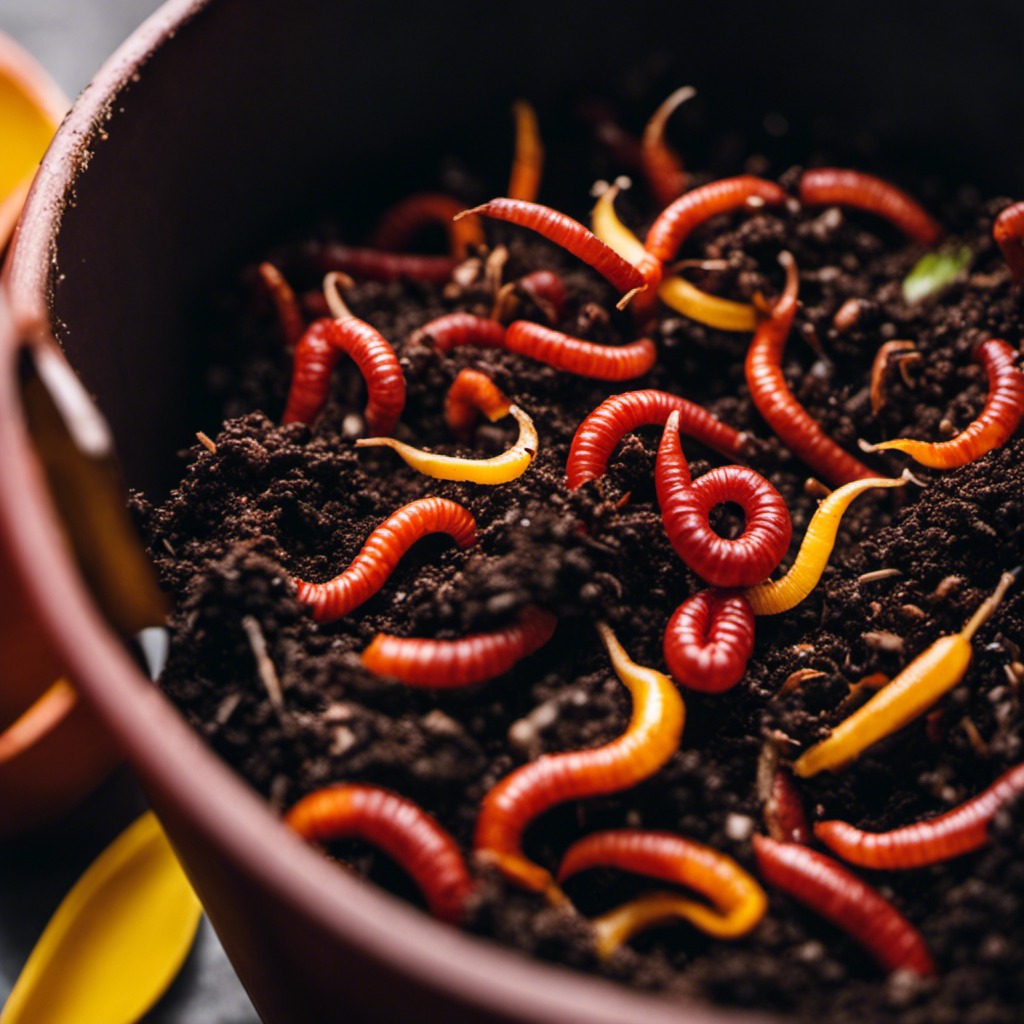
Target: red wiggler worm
x,y
473,392
585,358
547,288
1008,232
784,814
286,304
400,224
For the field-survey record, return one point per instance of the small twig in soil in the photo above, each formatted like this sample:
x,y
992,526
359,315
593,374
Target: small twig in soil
x,y
878,574
206,442
265,667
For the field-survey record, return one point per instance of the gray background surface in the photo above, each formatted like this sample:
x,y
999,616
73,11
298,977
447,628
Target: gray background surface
x,y
71,39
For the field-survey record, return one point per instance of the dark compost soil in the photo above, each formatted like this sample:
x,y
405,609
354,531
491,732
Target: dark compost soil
x,y
277,500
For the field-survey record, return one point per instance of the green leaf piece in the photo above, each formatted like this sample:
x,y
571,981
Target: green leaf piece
x,y
935,271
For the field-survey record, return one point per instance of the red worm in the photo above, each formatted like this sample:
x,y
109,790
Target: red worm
x,y
286,305
319,350
784,814
776,404
547,288
1004,409
404,832
401,223
709,640
596,437
443,664
685,505
472,392
830,890
677,220
454,329
569,234
958,831
1008,231
374,265
381,553
586,358
664,170
828,186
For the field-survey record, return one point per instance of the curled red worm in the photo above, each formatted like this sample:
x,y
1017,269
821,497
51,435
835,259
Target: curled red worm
x,y
444,664
1008,232
830,890
666,176
678,219
776,404
315,357
286,304
961,830
401,829
828,186
1004,409
709,640
685,506
784,814
547,289
596,437
454,329
375,265
586,358
401,223
472,392
381,553
569,234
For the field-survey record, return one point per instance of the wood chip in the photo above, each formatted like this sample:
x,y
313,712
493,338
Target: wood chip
x,y
795,679
206,442
878,574
978,744
265,667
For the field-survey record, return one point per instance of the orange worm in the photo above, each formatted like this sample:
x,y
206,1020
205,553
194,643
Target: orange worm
x,y
838,896
665,173
381,553
528,162
401,223
586,358
650,739
319,350
472,392
709,640
596,437
285,303
959,831
835,186
401,829
994,426
567,233
375,265
445,664
1008,232
685,507
776,404
547,289
738,901
784,814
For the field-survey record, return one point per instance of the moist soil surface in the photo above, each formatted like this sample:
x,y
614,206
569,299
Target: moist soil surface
x,y
273,501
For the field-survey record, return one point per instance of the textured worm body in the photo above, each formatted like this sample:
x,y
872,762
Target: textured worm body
x,y
375,265
685,506
320,348
709,640
382,551
738,901
674,291
473,392
784,814
500,469
455,329
959,831
776,404
650,739
840,897
835,186
445,664
1008,232
585,358
397,826
403,221
569,234
994,426
546,288
928,677
880,364
528,161
596,437
775,596
666,176
286,305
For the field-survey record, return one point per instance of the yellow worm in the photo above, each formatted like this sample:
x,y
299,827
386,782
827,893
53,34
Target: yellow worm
x,y
674,291
775,596
931,674
498,470
528,161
